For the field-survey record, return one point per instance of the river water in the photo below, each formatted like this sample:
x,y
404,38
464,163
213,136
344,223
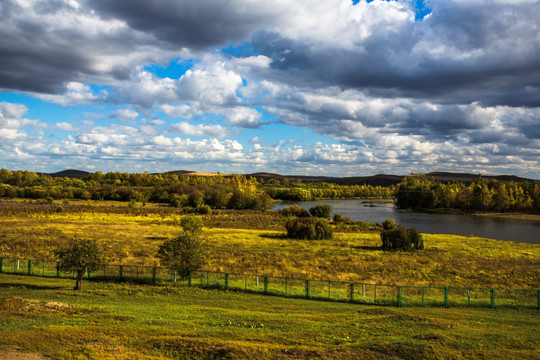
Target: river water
x,y
433,223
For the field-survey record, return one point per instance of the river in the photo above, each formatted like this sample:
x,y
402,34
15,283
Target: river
x,y
433,223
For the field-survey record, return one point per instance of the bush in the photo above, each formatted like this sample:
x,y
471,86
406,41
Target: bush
x,y
321,211
308,229
338,217
192,224
183,253
203,210
294,210
398,238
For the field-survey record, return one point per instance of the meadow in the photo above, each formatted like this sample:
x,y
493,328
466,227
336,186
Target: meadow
x,y
253,242
44,318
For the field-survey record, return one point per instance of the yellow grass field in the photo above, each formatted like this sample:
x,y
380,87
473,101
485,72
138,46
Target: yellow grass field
x,y
132,236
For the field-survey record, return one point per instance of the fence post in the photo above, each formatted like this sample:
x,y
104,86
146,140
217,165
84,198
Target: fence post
x,y
154,275
88,274
1,264
446,297
423,291
58,269
307,289
29,267
190,274
352,292
120,273
227,281
265,284
492,298
538,299
399,296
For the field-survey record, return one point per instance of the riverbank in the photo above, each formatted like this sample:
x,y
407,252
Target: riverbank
x,y
515,216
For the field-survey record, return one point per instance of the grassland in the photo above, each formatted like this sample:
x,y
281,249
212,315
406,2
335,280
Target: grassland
x,y
254,243
43,316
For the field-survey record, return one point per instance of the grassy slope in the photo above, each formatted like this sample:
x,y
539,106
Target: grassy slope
x,y
119,321
133,237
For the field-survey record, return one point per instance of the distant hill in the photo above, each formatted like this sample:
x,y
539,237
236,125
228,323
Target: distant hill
x,y
387,180
70,173
468,178
373,180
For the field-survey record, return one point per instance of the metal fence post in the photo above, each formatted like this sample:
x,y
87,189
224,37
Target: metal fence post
x,y
88,274
446,297
492,298
154,276
399,296
190,274
352,292
58,269
29,267
265,284
423,291
120,273
307,289
226,281
1,264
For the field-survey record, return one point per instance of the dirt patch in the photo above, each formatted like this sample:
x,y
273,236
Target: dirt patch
x,y
20,355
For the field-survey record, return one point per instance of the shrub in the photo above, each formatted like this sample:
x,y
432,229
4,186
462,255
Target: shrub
x,y
203,210
321,211
338,217
182,253
294,210
192,224
397,237
308,229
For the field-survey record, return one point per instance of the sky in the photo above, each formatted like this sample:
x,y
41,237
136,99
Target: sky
x,y
307,87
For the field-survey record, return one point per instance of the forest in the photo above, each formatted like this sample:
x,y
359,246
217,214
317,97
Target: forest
x,y
421,192
219,192
239,192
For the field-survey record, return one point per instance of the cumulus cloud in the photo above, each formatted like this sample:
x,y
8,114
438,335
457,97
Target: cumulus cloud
x,y
216,131
126,115
459,87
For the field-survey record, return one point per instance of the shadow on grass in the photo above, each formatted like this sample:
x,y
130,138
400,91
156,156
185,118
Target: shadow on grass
x,y
157,238
31,286
369,248
274,236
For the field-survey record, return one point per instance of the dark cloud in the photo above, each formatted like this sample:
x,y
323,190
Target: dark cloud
x,y
461,53
185,23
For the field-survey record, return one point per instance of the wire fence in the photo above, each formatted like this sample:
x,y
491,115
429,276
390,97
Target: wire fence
x,y
353,292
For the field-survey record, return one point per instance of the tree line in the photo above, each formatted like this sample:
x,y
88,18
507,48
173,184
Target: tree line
x,y
480,195
219,192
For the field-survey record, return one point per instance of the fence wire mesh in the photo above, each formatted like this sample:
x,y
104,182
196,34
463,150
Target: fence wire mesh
x,y
360,293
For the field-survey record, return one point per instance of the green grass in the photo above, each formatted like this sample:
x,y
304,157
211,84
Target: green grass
x,y
121,321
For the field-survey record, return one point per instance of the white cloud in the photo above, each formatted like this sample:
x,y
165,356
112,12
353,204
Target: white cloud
x,y
216,131
244,117
126,115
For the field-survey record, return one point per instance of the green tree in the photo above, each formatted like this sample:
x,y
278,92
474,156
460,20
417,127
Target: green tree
x,y
80,255
182,253
397,237
308,229
321,211
192,224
